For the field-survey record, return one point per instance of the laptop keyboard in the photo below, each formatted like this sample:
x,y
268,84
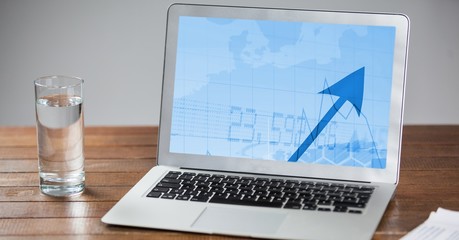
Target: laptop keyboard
x,y
263,192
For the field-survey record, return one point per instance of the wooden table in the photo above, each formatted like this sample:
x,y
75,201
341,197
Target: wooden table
x,y
117,157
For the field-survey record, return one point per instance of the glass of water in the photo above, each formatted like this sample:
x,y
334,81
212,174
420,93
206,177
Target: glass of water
x,y
59,118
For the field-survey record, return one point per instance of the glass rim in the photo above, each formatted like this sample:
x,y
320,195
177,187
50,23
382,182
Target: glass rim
x,y
44,81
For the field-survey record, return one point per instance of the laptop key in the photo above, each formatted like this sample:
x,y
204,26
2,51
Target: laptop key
x,y
324,209
168,196
309,207
183,197
324,202
168,185
177,191
237,201
341,209
348,204
170,180
160,189
186,177
155,194
199,199
292,205
172,175
355,211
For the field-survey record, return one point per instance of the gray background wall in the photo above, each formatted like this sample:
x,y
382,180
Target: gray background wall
x,y
117,47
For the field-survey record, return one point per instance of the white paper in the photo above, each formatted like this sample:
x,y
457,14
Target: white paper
x,y
441,225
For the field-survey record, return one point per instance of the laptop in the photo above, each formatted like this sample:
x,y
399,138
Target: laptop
x,y
275,123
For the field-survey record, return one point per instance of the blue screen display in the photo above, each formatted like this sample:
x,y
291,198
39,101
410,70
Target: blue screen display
x,y
283,91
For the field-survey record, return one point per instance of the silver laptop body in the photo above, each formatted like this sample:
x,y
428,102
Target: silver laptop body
x,y
299,95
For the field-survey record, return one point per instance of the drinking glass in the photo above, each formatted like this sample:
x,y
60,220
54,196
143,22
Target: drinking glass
x,y
59,119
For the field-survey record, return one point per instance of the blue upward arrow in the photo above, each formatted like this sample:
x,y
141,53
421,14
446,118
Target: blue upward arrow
x,y
350,88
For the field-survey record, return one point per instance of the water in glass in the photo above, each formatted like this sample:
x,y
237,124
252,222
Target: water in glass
x,y
60,152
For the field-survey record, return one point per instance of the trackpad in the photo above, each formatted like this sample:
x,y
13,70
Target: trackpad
x,y
229,220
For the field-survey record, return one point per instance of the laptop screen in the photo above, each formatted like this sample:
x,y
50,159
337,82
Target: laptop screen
x,y
287,92
305,92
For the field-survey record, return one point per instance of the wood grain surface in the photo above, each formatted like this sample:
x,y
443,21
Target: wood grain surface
x,y
117,157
